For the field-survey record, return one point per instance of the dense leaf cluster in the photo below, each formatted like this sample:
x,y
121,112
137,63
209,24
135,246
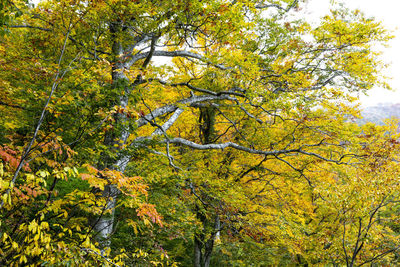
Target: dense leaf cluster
x,y
205,133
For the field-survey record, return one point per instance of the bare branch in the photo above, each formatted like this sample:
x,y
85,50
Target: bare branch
x,y
151,52
43,115
343,242
171,108
30,27
222,146
11,105
263,6
380,255
179,53
168,123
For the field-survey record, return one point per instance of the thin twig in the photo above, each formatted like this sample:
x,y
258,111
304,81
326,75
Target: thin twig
x,y
43,115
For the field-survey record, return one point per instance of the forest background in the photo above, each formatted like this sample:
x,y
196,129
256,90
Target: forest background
x,y
241,150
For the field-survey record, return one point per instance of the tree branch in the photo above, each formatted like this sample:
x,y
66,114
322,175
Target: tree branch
x,y
43,115
11,105
263,6
171,108
30,27
222,146
162,129
179,53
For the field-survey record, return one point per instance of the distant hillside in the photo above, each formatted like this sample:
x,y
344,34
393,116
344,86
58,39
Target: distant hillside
x,y
377,114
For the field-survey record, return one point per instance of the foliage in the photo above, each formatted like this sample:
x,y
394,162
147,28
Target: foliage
x,y
239,150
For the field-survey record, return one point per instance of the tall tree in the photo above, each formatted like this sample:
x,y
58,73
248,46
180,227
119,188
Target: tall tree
x,y
245,101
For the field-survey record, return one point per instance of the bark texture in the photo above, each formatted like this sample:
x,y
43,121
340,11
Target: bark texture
x,y
203,245
114,140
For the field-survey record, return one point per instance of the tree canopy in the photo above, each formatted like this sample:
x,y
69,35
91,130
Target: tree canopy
x,y
205,133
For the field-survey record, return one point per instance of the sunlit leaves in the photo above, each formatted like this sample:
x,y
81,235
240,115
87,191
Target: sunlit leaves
x,y
241,72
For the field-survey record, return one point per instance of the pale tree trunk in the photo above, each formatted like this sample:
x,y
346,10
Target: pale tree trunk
x,y
197,251
114,139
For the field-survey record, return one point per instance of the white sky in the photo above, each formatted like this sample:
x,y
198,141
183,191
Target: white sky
x,y
386,11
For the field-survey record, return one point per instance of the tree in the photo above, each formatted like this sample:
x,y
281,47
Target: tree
x,y
245,108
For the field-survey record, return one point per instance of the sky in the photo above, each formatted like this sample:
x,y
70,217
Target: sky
x,y
386,11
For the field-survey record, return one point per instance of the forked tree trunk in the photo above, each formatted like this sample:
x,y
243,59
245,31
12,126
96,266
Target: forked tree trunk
x,y
203,248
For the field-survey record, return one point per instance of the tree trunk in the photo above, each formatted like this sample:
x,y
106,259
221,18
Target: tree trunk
x,y
197,251
114,140
203,248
